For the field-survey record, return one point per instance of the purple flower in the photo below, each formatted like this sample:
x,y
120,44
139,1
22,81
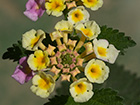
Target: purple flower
x,y
35,9
23,73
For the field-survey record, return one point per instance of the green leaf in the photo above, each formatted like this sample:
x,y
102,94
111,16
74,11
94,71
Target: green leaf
x,y
16,52
118,39
138,103
100,97
82,49
126,83
58,100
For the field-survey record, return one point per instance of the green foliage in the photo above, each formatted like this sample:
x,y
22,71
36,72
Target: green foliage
x,y
118,39
15,52
100,97
126,83
138,103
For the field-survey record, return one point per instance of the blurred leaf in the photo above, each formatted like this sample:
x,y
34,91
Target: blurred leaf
x,y
126,83
16,52
58,100
118,39
138,103
100,97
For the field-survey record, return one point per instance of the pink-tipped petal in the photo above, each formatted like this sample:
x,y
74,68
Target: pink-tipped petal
x,y
69,51
75,53
53,60
80,62
71,43
65,77
66,70
71,5
72,65
55,70
59,60
74,60
60,66
75,72
58,54
50,49
62,47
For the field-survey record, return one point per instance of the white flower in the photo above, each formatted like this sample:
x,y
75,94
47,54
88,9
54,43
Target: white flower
x,y
43,85
39,60
55,7
89,29
81,90
64,26
96,71
32,39
78,14
105,51
93,4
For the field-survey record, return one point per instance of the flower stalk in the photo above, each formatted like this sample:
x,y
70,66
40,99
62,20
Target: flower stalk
x,y
42,46
65,37
80,43
58,41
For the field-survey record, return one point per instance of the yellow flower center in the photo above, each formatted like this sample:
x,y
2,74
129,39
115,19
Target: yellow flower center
x,y
64,29
102,51
44,83
80,88
94,71
87,32
56,5
90,3
77,16
40,60
34,41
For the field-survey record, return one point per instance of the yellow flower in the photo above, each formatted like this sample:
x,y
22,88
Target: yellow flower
x,y
81,90
39,60
96,71
64,26
105,51
32,39
93,4
55,7
78,14
43,85
89,29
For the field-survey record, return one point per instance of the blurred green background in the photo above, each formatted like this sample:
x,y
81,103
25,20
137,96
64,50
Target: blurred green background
x,y
119,14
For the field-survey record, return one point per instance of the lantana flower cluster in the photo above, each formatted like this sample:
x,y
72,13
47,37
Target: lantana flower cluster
x,y
36,8
64,59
